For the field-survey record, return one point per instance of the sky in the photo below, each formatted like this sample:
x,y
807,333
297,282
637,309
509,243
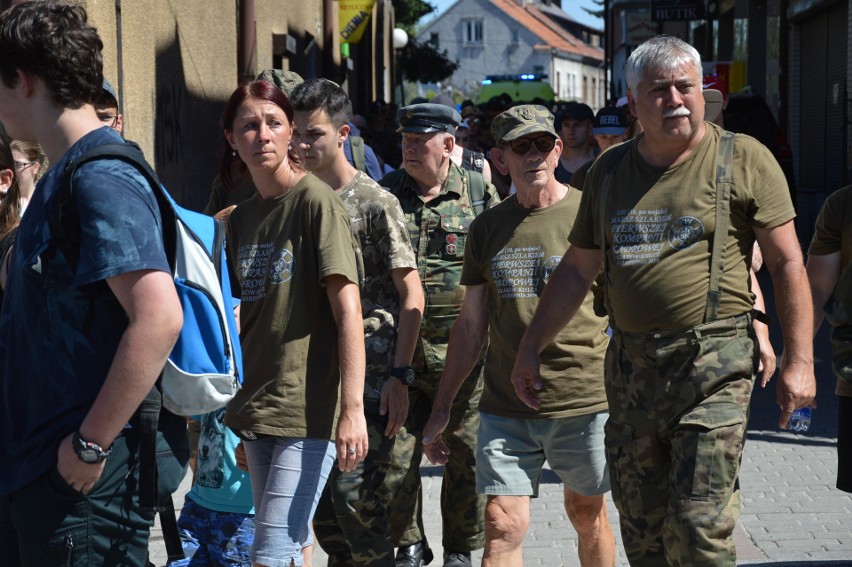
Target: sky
x,y
573,7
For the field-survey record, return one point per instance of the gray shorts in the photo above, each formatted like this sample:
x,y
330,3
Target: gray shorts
x,y
511,452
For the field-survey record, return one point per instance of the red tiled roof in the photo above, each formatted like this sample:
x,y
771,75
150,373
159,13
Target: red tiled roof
x,y
552,34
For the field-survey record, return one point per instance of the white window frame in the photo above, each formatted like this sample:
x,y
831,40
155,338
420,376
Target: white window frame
x,y
473,31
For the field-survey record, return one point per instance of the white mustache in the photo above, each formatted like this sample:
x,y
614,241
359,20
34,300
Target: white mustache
x,y
676,112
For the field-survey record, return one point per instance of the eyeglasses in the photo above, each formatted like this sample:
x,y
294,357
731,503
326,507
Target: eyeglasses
x,y
522,145
110,119
22,165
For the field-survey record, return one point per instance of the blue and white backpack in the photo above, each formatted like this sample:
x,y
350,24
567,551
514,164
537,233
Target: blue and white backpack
x,y
204,369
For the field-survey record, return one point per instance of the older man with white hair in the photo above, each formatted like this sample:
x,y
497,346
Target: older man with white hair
x,y
672,217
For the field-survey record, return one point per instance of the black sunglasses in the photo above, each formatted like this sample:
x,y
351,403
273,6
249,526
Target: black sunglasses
x,y
522,145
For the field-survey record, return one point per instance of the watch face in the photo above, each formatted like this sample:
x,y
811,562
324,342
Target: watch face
x,y
88,456
408,377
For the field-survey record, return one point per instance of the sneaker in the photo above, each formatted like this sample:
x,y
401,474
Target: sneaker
x,y
457,559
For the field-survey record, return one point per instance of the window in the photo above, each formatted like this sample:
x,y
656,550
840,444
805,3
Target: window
x,y
433,40
516,36
472,31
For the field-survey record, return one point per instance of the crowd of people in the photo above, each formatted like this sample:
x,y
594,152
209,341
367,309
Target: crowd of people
x,y
495,287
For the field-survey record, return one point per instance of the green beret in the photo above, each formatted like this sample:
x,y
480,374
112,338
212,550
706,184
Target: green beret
x,y
428,117
520,121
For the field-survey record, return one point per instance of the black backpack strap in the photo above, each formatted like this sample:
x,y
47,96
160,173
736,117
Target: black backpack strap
x,y
171,535
64,221
145,421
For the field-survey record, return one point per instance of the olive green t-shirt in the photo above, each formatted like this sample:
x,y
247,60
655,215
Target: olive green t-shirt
x,y
833,233
513,250
659,225
280,251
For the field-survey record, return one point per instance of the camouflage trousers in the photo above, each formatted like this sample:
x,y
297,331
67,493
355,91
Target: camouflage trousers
x,y
678,408
462,509
351,522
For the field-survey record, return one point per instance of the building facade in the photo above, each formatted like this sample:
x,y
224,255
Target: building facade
x,y
174,65
500,37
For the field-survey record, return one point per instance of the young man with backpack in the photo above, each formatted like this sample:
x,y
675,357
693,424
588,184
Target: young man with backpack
x,y
80,348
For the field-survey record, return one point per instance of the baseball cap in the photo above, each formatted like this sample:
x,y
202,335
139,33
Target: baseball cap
x,y
284,80
576,111
428,117
610,120
520,121
108,89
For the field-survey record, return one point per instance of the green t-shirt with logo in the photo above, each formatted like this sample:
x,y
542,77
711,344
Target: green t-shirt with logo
x,y
514,250
280,250
659,230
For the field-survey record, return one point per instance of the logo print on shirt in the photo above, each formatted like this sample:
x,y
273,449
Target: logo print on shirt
x,y
281,268
685,232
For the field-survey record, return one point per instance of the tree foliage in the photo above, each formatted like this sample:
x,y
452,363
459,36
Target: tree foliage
x,y
418,61
599,13
424,63
409,12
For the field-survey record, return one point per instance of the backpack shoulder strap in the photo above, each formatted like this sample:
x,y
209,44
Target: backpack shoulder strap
x,y
476,187
724,168
64,222
358,154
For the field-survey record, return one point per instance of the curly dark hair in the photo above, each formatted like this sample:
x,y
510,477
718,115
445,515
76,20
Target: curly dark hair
x,y
53,41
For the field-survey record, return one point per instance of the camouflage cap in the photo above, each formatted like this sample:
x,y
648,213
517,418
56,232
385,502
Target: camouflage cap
x,y
428,117
522,120
284,80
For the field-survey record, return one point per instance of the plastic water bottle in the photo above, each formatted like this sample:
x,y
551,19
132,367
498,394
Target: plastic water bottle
x,y
800,421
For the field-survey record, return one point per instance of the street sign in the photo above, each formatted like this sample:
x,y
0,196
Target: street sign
x,y
678,10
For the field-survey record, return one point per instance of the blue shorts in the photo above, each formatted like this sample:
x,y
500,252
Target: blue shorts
x,y
287,477
511,452
214,538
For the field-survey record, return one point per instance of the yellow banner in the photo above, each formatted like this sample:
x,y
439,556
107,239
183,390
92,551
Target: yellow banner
x,y
354,17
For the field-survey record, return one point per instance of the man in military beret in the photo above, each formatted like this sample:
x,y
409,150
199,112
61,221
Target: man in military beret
x,y
439,201
510,252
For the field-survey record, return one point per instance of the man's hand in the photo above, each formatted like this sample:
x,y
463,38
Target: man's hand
x,y
526,378
433,444
796,388
394,405
351,440
242,460
768,360
79,475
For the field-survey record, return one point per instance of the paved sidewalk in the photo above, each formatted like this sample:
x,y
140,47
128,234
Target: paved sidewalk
x,y
792,515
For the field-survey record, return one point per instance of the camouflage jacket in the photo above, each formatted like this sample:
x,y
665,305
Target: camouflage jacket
x,y
380,232
438,229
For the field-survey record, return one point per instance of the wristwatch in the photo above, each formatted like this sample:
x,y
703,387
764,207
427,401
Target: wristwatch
x,y
88,452
404,374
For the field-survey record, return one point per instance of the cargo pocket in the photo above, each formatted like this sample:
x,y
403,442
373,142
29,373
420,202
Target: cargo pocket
x,y
622,459
707,451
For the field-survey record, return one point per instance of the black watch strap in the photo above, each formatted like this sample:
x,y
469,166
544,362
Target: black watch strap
x,y
404,374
